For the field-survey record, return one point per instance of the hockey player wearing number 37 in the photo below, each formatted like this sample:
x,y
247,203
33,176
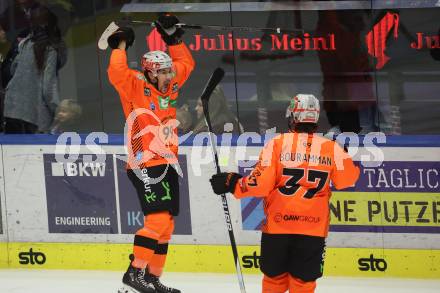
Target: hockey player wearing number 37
x,y
151,96
293,176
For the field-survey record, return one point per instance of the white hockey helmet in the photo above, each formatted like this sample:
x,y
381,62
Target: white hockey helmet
x,y
303,108
156,60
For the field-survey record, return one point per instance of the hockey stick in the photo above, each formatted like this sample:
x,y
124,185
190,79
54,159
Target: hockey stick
x,y
113,27
213,81
277,30
102,43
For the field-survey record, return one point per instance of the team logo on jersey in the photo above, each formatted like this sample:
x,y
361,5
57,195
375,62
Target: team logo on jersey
x,y
141,77
252,179
147,92
164,102
243,187
175,87
152,106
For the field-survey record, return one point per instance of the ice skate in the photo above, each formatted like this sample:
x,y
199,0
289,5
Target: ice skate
x,y
134,281
158,286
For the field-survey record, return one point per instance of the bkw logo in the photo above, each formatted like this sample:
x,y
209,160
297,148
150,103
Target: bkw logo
x,y
93,169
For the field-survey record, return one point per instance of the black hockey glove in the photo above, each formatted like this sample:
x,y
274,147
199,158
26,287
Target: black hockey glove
x,y
224,182
166,26
125,33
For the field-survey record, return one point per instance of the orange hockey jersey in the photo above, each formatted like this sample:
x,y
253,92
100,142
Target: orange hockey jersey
x,y
151,126
293,176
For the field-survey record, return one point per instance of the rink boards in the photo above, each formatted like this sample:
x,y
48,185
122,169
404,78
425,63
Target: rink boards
x,y
353,262
81,214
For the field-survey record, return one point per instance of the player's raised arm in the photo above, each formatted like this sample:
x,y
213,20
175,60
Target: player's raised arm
x,y
183,61
120,75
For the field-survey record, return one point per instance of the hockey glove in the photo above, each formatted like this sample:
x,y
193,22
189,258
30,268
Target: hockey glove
x,y
166,26
224,182
123,33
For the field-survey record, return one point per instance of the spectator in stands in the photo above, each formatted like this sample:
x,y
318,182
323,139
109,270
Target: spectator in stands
x,y
67,113
185,119
4,47
348,88
14,29
17,28
222,118
31,108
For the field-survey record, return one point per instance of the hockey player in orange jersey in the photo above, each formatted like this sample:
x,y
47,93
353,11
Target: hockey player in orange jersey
x,y
148,99
293,177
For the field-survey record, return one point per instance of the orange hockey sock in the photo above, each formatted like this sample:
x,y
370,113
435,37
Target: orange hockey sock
x,y
156,227
158,260
278,284
299,286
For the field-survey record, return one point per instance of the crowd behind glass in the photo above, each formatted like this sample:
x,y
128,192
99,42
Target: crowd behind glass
x,y
53,77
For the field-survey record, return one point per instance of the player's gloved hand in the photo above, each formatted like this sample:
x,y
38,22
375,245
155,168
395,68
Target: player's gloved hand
x,y
170,33
125,33
224,182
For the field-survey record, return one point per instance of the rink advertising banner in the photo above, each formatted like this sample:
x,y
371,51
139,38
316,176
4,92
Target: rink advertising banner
x,y
252,213
80,195
385,212
395,197
132,218
1,215
2,206
400,176
362,262
391,204
354,262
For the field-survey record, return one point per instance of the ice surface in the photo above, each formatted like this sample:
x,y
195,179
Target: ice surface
x,y
56,281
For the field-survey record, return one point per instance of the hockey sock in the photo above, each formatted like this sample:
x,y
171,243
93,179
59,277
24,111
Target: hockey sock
x,y
158,260
278,284
299,286
146,239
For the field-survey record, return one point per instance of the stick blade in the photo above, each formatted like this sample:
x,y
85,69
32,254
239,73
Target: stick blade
x,y
102,43
213,81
